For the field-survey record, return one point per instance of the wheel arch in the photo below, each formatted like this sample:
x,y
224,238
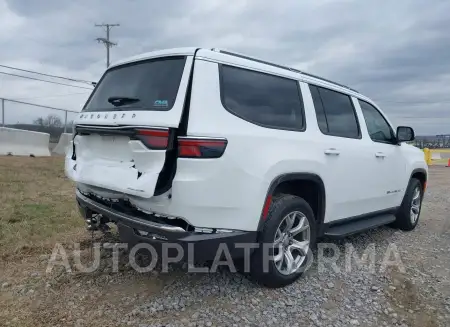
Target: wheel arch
x,y
296,178
421,174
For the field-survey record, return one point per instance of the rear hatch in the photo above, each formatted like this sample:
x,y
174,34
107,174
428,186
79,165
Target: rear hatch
x,y
125,137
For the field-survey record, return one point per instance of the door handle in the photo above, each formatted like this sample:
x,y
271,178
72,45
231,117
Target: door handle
x,y
332,152
380,155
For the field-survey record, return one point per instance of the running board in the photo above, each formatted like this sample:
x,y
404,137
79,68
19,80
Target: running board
x,y
357,226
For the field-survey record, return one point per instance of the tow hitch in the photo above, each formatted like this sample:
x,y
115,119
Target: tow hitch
x,y
97,223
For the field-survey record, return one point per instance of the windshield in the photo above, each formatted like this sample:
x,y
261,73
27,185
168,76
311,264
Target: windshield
x,y
148,85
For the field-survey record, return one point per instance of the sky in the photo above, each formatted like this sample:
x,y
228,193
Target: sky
x,y
395,52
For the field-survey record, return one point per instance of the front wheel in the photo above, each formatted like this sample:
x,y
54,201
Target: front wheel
x,y
409,211
286,239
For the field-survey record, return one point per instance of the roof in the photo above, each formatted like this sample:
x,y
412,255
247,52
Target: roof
x,y
154,54
219,54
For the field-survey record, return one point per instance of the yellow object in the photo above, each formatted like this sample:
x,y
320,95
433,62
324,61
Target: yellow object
x,y
427,154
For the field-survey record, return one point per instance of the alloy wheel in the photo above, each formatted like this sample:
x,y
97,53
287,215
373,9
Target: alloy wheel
x,y
291,243
415,205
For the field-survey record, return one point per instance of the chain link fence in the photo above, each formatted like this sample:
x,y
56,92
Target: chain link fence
x,y
38,118
433,142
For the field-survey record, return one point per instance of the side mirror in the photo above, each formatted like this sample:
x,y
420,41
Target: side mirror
x,y
405,134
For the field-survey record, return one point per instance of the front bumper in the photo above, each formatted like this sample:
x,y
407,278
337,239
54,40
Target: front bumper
x,y
199,246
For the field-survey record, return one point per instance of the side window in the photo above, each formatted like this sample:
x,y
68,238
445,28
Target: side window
x,y
262,99
378,128
335,113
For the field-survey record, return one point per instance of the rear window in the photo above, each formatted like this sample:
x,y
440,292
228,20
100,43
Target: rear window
x,y
263,99
147,85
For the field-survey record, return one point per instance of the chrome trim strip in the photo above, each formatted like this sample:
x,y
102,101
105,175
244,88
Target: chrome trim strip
x,y
120,127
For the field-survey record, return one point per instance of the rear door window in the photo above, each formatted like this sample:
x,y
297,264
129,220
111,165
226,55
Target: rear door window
x,y
262,99
335,113
147,85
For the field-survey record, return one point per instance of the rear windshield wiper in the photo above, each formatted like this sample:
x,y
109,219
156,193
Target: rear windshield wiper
x,y
120,101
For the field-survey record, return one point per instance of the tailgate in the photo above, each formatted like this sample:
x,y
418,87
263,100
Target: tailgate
x,y
124,135
121,162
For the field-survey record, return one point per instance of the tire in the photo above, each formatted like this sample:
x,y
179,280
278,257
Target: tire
x,y
282,209
405,220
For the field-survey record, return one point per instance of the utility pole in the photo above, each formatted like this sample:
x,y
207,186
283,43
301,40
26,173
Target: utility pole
x,y
108,44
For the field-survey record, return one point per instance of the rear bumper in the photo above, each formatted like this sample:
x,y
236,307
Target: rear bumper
x,y
195,245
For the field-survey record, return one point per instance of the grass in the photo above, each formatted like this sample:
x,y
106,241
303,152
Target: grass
x,y
37,205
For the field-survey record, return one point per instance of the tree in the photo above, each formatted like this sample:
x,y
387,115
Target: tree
x,y
49,121
39,121
53,121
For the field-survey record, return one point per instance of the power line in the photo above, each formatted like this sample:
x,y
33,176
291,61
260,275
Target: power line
x,y
52,96
108,44
43,80
49,75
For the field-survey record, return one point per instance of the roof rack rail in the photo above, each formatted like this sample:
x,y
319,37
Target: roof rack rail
x,y
329,81
253,59
282,67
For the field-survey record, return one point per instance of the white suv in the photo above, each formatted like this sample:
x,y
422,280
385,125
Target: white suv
x,y
204,146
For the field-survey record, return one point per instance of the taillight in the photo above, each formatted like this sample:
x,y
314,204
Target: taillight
x,y
157,139
191,147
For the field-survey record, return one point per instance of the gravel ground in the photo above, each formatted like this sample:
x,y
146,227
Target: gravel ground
x,y
414,294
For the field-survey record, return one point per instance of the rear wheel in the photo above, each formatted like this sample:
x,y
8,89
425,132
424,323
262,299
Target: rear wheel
x,y
286,239
409,211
